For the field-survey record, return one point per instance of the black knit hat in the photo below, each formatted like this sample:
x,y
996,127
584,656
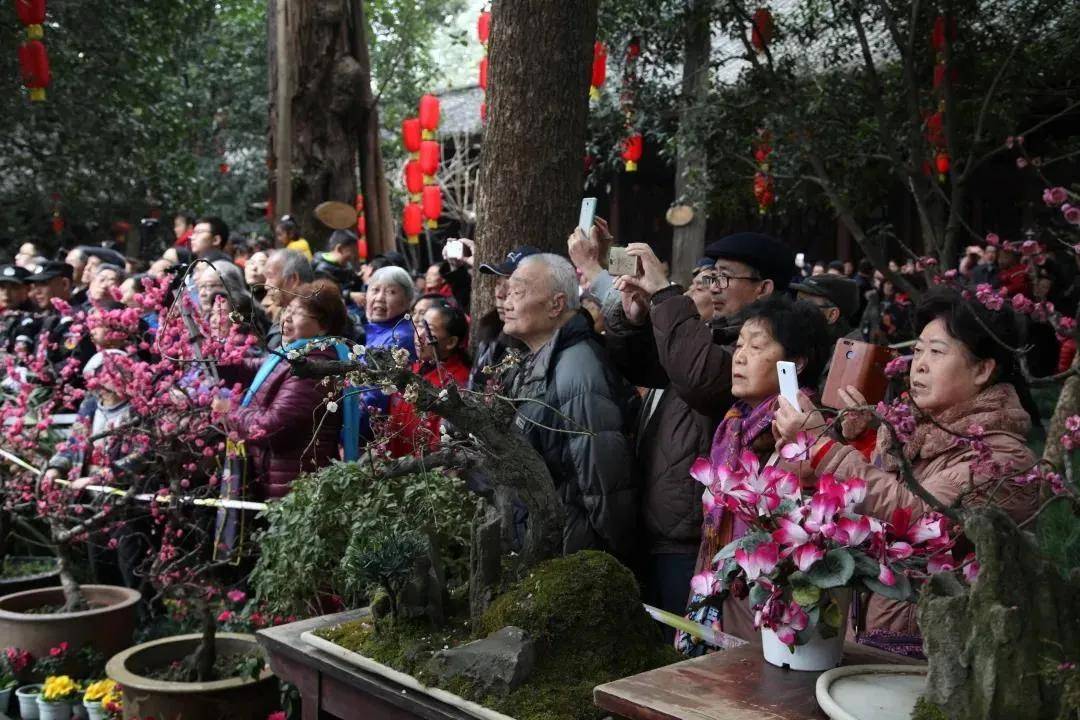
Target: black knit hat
x,y
768,256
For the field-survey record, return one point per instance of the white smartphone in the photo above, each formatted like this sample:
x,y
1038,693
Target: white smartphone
x,y
588,212
789,382
455,250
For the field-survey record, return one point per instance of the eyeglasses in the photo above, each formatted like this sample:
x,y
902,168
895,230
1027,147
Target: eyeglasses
x,y
723,280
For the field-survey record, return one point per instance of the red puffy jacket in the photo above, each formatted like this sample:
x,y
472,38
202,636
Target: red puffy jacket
x,y
278,425
410,431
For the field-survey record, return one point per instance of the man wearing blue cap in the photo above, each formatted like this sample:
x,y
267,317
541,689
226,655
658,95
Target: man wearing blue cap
x,y
491,342
659,340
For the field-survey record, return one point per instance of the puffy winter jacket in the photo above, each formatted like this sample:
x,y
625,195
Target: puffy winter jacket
x,y
593,473
278,425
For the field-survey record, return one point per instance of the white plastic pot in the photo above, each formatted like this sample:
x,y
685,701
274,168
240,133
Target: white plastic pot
x,y
28,695
816,655
95,710
53,710
5,698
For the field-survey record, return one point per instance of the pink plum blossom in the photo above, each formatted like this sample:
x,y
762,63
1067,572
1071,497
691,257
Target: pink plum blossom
x,y
1055,196
1071,213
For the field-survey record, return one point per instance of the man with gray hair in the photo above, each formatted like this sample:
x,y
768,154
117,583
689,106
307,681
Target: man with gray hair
x,y
573,406
285,271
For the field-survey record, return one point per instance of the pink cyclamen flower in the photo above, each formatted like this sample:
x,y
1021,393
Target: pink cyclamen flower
x,y
942,562
1071,213
1055,196
806,555
762,560
885,575
225,616
704,583
852,532
237,596
800,449
790,533
970,568
793,620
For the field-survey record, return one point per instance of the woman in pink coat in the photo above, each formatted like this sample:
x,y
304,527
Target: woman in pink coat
x,y
963,382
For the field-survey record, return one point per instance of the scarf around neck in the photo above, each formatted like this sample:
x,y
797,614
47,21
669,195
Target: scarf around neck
x,y
741,426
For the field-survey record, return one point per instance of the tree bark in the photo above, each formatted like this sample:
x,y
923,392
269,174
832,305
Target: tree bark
x,y
530,171
989,645
691,163
329,76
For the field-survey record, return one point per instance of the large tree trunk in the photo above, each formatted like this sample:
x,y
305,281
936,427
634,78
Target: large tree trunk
x,y
989,645
327,75
691,163
530,170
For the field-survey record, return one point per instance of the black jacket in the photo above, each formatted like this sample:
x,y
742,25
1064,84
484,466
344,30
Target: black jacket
x,y
579,427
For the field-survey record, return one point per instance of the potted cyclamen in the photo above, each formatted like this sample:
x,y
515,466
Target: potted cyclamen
x,y
803,555
58,695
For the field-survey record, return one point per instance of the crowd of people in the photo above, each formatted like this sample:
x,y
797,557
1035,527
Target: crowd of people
x,y
621,382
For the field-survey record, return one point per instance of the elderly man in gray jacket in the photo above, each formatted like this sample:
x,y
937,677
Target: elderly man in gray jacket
x,y
579,423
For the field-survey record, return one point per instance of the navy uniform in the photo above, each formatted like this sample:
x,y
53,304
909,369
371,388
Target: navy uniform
x,y
17,323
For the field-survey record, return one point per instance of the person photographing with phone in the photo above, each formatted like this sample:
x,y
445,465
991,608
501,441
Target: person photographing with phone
x,y
964,384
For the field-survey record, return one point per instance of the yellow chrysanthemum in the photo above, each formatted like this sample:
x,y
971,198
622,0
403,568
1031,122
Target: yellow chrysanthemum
x,y
98,690
59,687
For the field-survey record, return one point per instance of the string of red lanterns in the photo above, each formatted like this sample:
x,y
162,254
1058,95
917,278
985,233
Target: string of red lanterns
x,y
599,70
634,143
361,228
33,57
942,35
483,32
425,153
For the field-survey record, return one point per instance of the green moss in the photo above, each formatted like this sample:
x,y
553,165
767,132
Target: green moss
x,y
926,710
585,613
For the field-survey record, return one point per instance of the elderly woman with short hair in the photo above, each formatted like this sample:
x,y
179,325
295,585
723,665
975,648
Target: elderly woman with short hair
x,y
389,296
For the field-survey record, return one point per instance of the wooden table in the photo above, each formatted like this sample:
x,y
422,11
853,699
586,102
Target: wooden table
x,y
733,685
330,688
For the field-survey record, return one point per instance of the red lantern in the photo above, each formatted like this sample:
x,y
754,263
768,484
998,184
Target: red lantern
x,y
31,14
941,162
763,191
414,177
34,65
223,168
599,70
412,222
359,203
761,32
483,73
57,224
940,72
432,205
633,49
361,226
483,27
429,115
429,158
411,134
631,153
361,248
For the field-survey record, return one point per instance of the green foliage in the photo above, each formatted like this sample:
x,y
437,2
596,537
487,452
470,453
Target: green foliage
x,y
147,101
310,529
1058,534
926,710
833,570
384,560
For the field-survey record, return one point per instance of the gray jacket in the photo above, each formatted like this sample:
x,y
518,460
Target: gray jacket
x,y
580,432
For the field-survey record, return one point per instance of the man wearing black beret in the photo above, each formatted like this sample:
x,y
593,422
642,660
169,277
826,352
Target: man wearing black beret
x,y
658,339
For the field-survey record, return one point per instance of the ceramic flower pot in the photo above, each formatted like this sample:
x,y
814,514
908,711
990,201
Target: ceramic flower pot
x,y
816,655
28,695
95,710
53,710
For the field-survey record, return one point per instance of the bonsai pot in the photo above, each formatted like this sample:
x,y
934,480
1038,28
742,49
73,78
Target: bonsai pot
x,y
31,581
107,626
238,698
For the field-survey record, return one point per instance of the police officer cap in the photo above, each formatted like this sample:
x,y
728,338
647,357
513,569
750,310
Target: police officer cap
x,y
13,274
50,269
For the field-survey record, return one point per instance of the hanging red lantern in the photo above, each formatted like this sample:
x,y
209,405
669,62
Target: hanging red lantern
x,y
935,129
432,205
762,28
599,70
429,159
631,153
429,115
359,203
362,248
411,134
763,191
484,73
57,224
941,162
483,27
412,222
31,13
34,66
361,226
414,177
633,48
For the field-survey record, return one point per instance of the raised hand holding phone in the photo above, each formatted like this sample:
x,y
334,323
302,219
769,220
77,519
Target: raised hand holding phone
x,y
789,382
588,213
